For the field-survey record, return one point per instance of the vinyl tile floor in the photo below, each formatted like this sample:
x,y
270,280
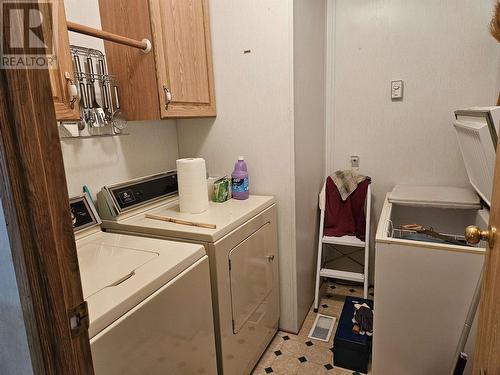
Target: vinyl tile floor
x,y
299,355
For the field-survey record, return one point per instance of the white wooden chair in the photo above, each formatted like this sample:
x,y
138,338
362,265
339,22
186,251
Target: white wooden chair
x,y
352,241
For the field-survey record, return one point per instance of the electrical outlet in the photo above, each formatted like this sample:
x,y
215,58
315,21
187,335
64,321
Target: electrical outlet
x,y
354,161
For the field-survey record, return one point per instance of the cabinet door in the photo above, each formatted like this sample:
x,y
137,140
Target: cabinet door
x,y
181,34
134,70
61,73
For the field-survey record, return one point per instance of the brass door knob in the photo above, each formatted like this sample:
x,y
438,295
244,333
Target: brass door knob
x,y
473,234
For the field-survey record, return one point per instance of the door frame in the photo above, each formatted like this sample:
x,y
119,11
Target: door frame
x,y
35,200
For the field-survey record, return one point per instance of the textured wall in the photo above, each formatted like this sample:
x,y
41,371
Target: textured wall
x,y
254,114
14,352
150,148
309,124
447,59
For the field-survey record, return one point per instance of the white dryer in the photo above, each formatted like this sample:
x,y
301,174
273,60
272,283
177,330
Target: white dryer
x,y
148,301
242,250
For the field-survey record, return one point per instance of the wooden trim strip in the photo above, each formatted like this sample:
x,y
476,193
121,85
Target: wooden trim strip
x,y
181,222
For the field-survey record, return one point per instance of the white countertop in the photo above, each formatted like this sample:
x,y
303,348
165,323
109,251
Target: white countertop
x,y
227,216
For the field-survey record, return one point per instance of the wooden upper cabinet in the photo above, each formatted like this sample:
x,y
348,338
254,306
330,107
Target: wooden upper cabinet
x,y
62,74
181,34
134,70
176,79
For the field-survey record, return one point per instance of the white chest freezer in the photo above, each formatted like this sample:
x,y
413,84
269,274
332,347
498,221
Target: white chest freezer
x,y
424,285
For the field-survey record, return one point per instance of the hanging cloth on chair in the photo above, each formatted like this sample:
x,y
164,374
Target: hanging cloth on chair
x,y
346,217
347,181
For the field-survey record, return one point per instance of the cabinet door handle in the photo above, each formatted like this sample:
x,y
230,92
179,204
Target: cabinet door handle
x,y
168,96
72,90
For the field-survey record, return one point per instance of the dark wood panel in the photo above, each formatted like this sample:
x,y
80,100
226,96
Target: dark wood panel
x,y
134,69
34,196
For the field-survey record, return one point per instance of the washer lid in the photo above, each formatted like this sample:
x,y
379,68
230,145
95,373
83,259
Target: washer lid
x,y
434,196
118,272
106,265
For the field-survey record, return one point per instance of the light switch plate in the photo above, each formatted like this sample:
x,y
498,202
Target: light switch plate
x,y
397,89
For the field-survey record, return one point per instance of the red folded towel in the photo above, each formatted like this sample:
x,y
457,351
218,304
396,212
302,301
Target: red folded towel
x,y
345,218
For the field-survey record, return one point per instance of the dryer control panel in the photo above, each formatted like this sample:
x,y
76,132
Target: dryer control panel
x,y
134,193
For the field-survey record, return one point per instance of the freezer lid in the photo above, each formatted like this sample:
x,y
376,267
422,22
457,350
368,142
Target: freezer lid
x,y
435,196
477,134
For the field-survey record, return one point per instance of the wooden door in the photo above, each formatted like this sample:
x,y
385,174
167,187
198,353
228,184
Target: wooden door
x,y
487,354
35,202
183,52
61,72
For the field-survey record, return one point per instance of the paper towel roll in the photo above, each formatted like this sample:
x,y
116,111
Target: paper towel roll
x,y
192,179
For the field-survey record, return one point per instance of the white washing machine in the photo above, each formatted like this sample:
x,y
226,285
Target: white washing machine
x,y
242,250
148,300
